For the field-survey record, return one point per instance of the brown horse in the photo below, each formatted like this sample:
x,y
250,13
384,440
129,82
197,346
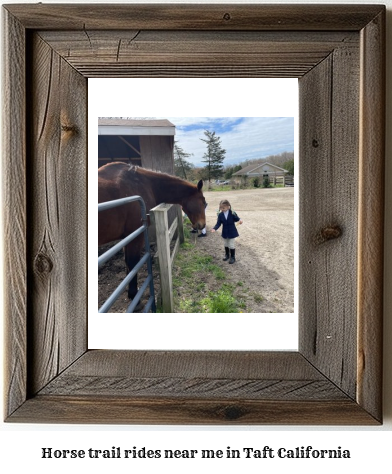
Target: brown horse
x,y
119,180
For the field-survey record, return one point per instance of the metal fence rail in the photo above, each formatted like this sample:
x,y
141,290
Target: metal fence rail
x,y
150,305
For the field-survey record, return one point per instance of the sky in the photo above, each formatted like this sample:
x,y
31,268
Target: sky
x,y
243,138
254,117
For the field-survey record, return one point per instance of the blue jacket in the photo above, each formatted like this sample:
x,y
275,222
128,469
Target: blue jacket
x,y
229,230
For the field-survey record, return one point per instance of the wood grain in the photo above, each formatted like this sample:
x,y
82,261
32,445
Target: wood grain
x,y
338,52
160,213
187,374
193,17
371,215
57,210
201,387
210,387
208,364
162,161
329,200
125,53
14,224
102,409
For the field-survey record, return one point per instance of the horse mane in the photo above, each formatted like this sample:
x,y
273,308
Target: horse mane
x,y
154,174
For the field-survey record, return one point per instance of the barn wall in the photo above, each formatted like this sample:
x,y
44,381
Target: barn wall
x,y
157,153
263,172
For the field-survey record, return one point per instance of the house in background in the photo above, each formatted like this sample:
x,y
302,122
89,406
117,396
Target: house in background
x,y
275,174
145,143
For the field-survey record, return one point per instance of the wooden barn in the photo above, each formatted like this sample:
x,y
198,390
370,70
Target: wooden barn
x,y
145,143
276,174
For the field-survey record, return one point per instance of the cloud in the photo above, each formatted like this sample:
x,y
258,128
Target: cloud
x,y
243,138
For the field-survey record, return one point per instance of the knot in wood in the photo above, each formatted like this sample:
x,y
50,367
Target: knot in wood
x,y
232,412
227,16
328,233
315,143
69,128
43,264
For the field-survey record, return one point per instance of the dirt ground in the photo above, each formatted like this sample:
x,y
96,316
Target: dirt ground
x,y
264,250
112,274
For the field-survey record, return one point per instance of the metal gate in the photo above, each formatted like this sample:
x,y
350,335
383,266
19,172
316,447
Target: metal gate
x,y
145,259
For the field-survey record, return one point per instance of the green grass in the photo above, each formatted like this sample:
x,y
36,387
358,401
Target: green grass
x,y
221,302
191,264
215,187
192,284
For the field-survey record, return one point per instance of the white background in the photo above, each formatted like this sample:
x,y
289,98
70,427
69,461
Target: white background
x,y
21,445
182,98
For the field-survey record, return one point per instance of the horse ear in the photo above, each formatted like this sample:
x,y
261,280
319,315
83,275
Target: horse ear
x,y
199,185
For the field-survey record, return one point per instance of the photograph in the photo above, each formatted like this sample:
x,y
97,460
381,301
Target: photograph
x,y
199,178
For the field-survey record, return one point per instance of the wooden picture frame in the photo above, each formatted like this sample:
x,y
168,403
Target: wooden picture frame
x,y
338,54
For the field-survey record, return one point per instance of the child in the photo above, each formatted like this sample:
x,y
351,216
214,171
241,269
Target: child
x,y
227,218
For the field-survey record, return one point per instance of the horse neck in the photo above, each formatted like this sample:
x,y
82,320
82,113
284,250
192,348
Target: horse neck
x,y
174,191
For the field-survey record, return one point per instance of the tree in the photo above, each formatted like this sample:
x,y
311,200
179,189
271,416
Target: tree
x,y
289,166
277,160
182,167
214,156
266,182
231,170
256,182
197,174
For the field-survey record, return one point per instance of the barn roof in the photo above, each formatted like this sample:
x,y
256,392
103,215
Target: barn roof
x,y
250,169
118,126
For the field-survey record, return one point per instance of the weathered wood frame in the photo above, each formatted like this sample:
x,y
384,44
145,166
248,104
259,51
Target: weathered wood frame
x,y
337,52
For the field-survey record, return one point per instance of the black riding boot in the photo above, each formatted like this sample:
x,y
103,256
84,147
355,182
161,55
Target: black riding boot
x,y
232,256
227,254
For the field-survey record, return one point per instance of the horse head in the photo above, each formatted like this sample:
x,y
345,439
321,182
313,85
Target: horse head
x,y
194,207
